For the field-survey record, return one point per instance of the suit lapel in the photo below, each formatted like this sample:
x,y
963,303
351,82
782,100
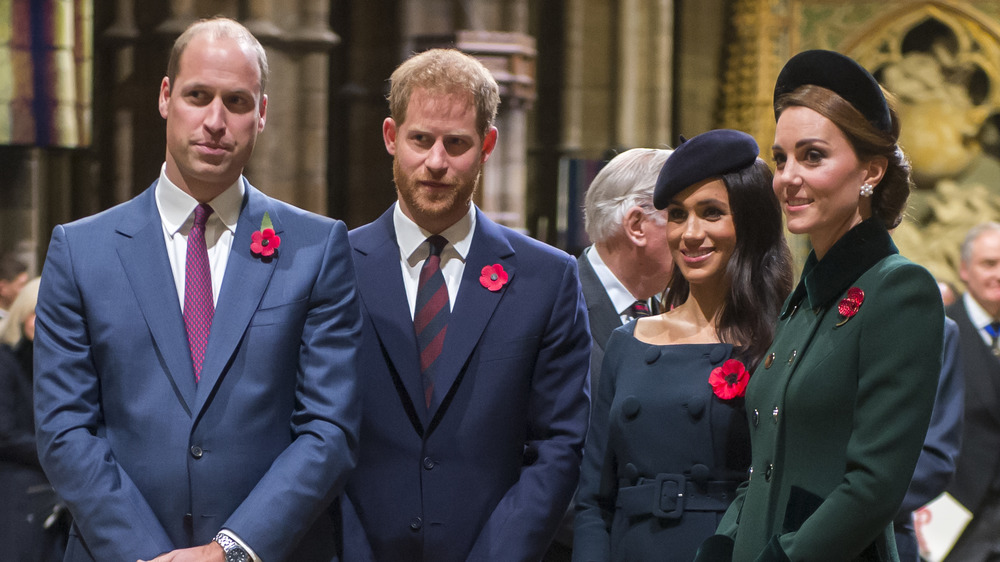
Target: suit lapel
x,y
143,255
474,305
381,287
243,285
981,379
601,312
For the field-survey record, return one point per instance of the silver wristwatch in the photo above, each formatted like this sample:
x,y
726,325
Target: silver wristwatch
x,y
234,552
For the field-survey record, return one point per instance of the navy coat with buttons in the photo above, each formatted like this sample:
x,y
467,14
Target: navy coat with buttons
x,y
657,432
843,404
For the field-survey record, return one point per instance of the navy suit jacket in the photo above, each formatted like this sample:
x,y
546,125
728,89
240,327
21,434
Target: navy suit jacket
x,y
936,463
488,470
149,461
977,474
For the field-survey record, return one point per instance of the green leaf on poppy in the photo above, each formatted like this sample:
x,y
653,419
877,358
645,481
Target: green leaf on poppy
x,y
266,223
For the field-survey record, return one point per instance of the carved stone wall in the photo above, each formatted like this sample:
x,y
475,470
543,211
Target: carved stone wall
x,y
941,60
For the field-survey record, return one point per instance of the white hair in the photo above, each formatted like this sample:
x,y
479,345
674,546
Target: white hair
x,y
973,234
625,181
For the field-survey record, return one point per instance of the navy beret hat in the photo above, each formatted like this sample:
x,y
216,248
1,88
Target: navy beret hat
x,y
709,155
841,74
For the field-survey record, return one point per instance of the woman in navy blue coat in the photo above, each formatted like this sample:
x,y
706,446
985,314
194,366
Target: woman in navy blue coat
x,y
668,441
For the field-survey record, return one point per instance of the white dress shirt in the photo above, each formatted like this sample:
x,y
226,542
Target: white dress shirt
x,y
177,216
413,252
621,299
979,317
176,210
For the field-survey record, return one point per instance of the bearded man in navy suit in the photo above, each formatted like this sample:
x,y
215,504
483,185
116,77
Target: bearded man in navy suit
x,y
195,356
475,396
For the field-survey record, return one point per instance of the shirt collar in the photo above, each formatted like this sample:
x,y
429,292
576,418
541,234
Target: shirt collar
x,y
176,206
410,237
621,299
977,314
855,253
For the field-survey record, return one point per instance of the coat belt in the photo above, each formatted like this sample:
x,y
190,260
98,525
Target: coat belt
x,y
668,496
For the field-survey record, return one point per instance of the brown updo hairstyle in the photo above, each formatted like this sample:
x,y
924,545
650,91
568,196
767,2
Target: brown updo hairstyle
x,y
889,199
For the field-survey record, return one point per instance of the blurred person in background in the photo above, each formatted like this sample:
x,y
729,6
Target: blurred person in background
x,y
33,524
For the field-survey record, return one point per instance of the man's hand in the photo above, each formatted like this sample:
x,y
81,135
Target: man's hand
x,y
210,552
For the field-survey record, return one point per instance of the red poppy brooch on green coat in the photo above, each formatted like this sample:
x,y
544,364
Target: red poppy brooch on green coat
x,y
730,380
850,304
264,242
493,277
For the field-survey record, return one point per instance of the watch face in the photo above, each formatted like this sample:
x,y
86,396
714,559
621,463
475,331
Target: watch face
x,y
237,554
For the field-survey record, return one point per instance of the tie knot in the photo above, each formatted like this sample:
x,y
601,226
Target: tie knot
x,y
201,213
437,244
639,309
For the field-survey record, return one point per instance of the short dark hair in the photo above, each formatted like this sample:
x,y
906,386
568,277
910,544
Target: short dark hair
x,y
11,267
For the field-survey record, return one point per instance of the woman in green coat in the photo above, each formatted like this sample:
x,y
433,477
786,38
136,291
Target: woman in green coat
x,y
839,407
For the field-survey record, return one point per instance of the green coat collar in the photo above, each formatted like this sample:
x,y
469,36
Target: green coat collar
x,y
857,251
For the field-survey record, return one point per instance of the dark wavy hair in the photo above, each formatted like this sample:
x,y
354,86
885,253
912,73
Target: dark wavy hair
x,y
759,271
890,195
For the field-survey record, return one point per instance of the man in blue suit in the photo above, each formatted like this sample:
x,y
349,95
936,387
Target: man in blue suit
x,y
475,346
196,346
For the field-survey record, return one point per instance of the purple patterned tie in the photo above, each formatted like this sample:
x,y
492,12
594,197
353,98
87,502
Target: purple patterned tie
x,y
430,319
199,307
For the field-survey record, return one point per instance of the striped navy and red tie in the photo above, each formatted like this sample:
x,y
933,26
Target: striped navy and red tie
x,y
430,318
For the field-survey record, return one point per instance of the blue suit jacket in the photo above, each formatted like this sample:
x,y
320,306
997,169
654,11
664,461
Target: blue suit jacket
x,y
488,470
936,463
148,460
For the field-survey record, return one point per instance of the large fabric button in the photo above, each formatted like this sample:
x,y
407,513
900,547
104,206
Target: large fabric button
x,y
696,406
631,472
196,452
717,355
652,354
428,463
630,407
416,523
700,473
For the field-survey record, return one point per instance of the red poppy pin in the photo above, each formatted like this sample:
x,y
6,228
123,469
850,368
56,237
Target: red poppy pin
x,y
730,380
493,277
265,242
850,304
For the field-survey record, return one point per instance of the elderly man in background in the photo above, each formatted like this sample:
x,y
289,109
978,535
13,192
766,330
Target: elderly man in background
x,y
977,477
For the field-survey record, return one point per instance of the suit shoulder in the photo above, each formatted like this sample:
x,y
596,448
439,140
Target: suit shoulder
x,y
112,214
299,214
527,246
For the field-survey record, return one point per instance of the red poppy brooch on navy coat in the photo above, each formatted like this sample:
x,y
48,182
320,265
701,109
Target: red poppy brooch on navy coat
x,y
730,380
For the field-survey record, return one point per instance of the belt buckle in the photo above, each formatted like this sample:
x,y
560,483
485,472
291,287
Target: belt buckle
x,y
678,509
